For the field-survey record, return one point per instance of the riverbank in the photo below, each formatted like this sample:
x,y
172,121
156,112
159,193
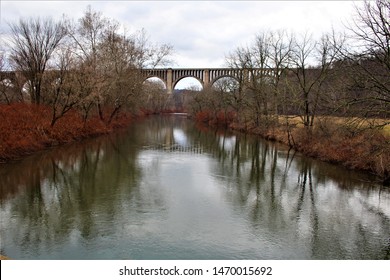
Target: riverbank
x,y
358,148
25,129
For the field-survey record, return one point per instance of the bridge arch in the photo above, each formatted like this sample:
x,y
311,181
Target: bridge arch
x,y
155,79
175,83
226,83
234,77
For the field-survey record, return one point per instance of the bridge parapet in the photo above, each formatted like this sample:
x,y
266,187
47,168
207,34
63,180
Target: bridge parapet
x,y
159,73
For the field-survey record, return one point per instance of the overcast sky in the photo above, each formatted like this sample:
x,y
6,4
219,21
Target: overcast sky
x,y
201,32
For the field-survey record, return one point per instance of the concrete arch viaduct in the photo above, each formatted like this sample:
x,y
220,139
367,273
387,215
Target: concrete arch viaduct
x,y
206,76
171,76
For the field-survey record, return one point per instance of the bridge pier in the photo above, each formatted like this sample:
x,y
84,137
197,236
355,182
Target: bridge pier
x,y
206,81
169,81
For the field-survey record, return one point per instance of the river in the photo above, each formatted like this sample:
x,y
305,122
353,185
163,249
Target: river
x,y
168,189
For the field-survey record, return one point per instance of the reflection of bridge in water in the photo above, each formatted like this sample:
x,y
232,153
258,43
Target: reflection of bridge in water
x,y
175,148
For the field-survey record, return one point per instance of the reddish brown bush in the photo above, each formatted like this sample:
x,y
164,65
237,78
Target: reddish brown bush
x,y
203,116
25,128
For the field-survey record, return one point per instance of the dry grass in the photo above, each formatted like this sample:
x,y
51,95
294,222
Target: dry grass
x,y
382,125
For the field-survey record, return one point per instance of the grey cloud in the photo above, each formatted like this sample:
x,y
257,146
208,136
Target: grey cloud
x,y
202,32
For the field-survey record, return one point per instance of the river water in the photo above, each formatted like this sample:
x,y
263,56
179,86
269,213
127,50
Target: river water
x,y
167,189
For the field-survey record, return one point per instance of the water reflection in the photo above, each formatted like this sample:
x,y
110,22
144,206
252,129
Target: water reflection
x,y
301,202
166,189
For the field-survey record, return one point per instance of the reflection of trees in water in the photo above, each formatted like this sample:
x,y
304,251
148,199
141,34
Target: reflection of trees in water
x,y
79,187
90,185
290,195
161,130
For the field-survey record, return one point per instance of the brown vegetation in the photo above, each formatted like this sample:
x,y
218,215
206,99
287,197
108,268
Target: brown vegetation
x,y
26,128
366,149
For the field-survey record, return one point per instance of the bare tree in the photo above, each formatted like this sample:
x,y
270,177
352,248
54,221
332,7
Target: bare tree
x,y
148,54
371,27
123,81
32,45
5,83
60,87
241,59
259,80
88,35
370,62
280,52
263,64
312,63
114,60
